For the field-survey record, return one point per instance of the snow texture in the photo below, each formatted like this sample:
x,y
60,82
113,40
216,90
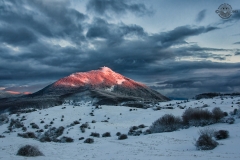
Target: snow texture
x,y
168,145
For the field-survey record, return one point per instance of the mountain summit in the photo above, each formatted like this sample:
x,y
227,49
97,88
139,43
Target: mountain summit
x,y
102,86
104,78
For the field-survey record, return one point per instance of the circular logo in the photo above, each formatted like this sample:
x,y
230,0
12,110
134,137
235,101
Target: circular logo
x,y
224,11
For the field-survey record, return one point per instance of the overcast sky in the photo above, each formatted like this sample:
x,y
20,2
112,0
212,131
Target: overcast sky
x,y
180,48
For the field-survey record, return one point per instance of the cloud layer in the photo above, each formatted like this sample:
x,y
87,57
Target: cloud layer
x,y
201,15
108,7
42,41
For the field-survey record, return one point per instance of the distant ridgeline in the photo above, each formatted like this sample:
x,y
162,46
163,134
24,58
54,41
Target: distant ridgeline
x,y
211,95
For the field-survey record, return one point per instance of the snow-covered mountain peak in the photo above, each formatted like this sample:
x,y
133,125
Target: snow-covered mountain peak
x,y
106,69
102,86
103,77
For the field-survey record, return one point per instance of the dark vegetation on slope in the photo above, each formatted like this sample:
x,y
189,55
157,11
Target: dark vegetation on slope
x,y
213,94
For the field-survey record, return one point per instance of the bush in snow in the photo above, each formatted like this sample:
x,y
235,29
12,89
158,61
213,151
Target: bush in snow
x,y
205,105
122,136
2,136
135,132
27,135
230,120
29,151
147,132
82,130
238,112
4,118
235,111
52,134
94,134
205,141
197,117
40,130
46,139
81,138
34,126
76,122
23,118
66,140
134,128
24,129
15,124
141,126
217,114
225,114
107,134
118,133
221,134
46,126
89,140
166,123
85,125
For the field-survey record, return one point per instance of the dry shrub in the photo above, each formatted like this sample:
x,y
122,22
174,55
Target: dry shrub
x,y
205,141
167,123
29,151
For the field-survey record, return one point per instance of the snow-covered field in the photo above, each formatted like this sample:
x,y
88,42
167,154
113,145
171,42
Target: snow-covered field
x,y
169,145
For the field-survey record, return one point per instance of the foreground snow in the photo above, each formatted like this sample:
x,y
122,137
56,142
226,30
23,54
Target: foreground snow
x,y
172,145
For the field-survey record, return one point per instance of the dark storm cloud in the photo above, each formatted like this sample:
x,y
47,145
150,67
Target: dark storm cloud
x,y
107,7
210,82
15,15
25,26
179,34
201,15
186,69
199,77
48,18
20,36
32,32
66,21
236,43
237,53
131,57
111,32
200,52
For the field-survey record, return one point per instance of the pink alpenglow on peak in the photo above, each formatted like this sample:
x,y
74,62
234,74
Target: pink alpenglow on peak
x,y
103,86
103,77
106,69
